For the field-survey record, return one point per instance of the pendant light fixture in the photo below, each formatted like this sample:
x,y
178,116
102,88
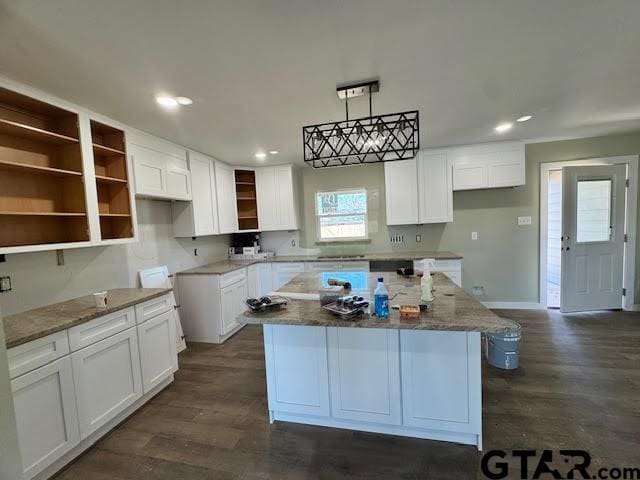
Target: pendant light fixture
x,y
372,139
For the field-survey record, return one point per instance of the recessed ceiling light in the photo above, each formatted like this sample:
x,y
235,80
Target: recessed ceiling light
x,y
524,118
184,100
261,155
167,101
273,152
504,127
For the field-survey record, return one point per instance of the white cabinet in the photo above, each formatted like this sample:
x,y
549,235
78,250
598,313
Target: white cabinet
x,y
299,356
435,189
226,195
200,216
489,165
401,192
364,373
233,298
46,416
39,352
253,281
430,360
265,278
160,168
282,273
158,356
452,268
276,192
107,379
419,190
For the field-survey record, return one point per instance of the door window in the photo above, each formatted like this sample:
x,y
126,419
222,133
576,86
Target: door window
x,y
593,215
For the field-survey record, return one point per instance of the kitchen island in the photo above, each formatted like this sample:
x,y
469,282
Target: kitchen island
x,y
412,377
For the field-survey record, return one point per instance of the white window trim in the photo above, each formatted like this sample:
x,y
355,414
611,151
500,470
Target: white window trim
x,y
364,238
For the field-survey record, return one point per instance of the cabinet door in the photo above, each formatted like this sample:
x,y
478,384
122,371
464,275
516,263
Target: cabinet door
x,y
469,176
202,194
364,374
285,199
158,356
107,379
507,169
150,169
401,192
284,272
296,364
265,280
435,188
253,281
226,191
267,198
233,298
441,386
46,415
178,179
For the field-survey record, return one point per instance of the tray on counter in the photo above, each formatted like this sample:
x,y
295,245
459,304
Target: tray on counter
x,y
345,311
276,302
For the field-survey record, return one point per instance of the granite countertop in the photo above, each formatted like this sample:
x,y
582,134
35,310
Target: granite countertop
x,y
452,309
226,266
40,322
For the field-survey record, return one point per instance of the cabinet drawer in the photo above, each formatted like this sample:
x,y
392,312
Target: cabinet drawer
x,y
232,277
100,328
153,307
39,352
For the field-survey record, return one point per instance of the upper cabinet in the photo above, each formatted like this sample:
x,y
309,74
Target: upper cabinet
x,y
226,194
489,165
277,198
198,217
115,199
401,192
161,169
43,193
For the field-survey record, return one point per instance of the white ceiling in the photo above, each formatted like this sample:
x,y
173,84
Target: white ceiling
x,y
259,70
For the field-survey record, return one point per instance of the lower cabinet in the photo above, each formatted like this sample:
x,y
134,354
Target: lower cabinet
x,y
46,415
282,273
158,357
232,298
299,356
431,361
265,279
364,374
107,379
253,281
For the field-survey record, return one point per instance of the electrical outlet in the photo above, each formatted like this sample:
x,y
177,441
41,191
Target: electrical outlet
x,y
478,291
474,235
397,238
418,238
5,284
524,220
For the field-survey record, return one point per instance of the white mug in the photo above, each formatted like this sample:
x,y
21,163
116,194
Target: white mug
x,y
101,299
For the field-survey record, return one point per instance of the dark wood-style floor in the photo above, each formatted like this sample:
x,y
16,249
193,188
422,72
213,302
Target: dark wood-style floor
x,y
578,387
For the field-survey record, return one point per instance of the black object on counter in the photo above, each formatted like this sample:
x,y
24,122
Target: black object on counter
x,y
265,303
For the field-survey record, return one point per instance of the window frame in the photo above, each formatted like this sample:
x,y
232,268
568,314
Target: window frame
x,y
318,216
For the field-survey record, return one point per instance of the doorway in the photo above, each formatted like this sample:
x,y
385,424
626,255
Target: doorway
x,y
591,246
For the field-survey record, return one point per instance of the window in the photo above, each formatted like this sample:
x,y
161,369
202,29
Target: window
x,y
593,219
341,215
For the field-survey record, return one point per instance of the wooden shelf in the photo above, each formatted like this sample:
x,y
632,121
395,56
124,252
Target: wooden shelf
x,y
246,198
120,215
105,179
252,217
32,133
106,151
245,183
37,169
44,214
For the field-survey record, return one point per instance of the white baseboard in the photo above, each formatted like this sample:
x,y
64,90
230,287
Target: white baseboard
x,y
514,305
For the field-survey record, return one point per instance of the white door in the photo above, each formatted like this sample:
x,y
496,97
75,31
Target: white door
x,y
297,374
150,169
158,356
46,416
364,374
226,191
202,202
107,379
593,212
435,188
267,198
401,192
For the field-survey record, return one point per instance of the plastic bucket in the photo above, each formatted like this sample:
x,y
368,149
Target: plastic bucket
x,y
503,349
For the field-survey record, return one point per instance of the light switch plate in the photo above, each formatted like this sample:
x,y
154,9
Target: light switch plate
x,y
474,235
524,220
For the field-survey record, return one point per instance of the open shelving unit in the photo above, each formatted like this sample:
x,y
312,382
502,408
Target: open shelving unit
x,y
112,181
42,195
246,199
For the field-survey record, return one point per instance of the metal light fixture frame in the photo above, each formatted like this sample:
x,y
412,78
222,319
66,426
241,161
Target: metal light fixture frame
x,y
372,139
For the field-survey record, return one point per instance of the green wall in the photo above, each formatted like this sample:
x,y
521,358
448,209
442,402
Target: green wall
x,y
504,259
